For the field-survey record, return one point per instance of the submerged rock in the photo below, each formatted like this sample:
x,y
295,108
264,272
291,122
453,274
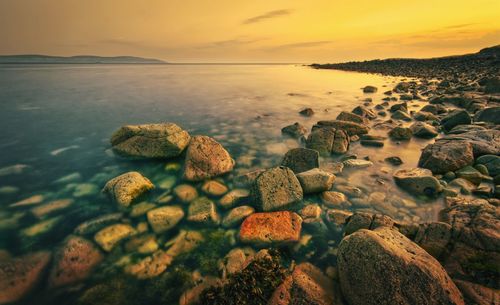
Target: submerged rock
x,y
276,188
307,112
295,130
301,159
370,89
234,197
74,261
164,218
203,210
315,181
205,159
19,276
237,215
400,133
214,188
150,266
384,267
150,140
110,236
349,116
417,181
125,188
184,242
271,228
185,192
444,156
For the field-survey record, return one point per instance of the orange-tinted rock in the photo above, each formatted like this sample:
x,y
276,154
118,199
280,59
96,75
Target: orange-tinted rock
x,y
206,158
74,261
274,227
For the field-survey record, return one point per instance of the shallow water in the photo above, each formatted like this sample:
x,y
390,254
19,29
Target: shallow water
x,y
56,121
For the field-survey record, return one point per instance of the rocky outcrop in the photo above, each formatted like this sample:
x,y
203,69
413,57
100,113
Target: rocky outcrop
x,y
276,188
205,159
445,155
125,188
150,141
271,228
410,275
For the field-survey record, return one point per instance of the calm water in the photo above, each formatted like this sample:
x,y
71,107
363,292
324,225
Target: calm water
x,y
56,121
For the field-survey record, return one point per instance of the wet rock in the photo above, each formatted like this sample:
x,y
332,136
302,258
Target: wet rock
x,y
464,185
164,218
150,140
455,118
16,169
484,142
247,179
425,116
490,115
357,163
491,162
33,200
234,197
276,188
333,199
349,116
95,224
396,161
202,210
434,237
423,130
336,219
444,156
400,115
358,221
321,140
150,266
372,143
271,228
49,208
332,167
351,128
399,107
184,242
365,112
185,192
141,209
85,189
370,89
349,190
400,133
74,261
411,275
301,159
125,188
235,260
214,188
417,181
110,236
471,174
237,215
295,130
434,109
402,87
307,112
465,128
478,294
340,142
19,276
315,181
205,159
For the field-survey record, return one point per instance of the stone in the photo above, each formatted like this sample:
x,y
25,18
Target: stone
x,y
150,266
466,187
16,169
394,160
315,181
296,130
351,128
127,187
237,215
364,112
370,89
400,115
164,140
433,237
271,228
21,275
234,197
340,142
205,159
400,133
484,142
247,179
40,211
399,107
402,87
417,181
423,130
349,116
307,112
372,143
203,210
167,183
301,159
357,163
349,190
85,189
333,199
358,221
110,236
478,294
141,209
74,261
465,128
235,260
491,162
490,115
455,118
410,275
33,200
276,188
184,242
321,140
425,116
214,188
444,156
95,224
164,218
185,193
471,174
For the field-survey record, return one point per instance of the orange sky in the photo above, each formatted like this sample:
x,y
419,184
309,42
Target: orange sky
x,y
249,31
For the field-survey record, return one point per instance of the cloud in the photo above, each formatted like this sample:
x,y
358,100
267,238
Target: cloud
x,y
304,44
268,15
239,41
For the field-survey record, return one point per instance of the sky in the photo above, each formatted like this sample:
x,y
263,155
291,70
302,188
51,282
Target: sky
x,y
249,31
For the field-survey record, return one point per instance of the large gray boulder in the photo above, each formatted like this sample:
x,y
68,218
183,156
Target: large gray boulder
x,y
384,267
150,140
276,188
445,156
205,159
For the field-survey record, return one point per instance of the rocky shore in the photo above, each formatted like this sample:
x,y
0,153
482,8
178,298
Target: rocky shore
x,y
295,233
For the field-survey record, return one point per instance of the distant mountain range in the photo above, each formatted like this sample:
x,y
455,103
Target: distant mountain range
x,y
82,59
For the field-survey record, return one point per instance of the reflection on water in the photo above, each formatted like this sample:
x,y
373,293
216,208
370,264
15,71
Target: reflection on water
x,y
56,122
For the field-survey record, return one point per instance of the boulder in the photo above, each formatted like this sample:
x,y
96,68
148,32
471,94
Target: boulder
x,y
490,115
400,133
315,181
20,275
321,140
400,115
484,142
74,261
349,116
125,188
425,116
384,267
491,162
164,218
351,128
150,140
417,181
365,112
301,159
205,159
455,118
444,156
271,228
423,130
276,188
295,130
110,236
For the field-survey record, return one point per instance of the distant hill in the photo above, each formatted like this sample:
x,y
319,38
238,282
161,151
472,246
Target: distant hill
x,y
81,59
